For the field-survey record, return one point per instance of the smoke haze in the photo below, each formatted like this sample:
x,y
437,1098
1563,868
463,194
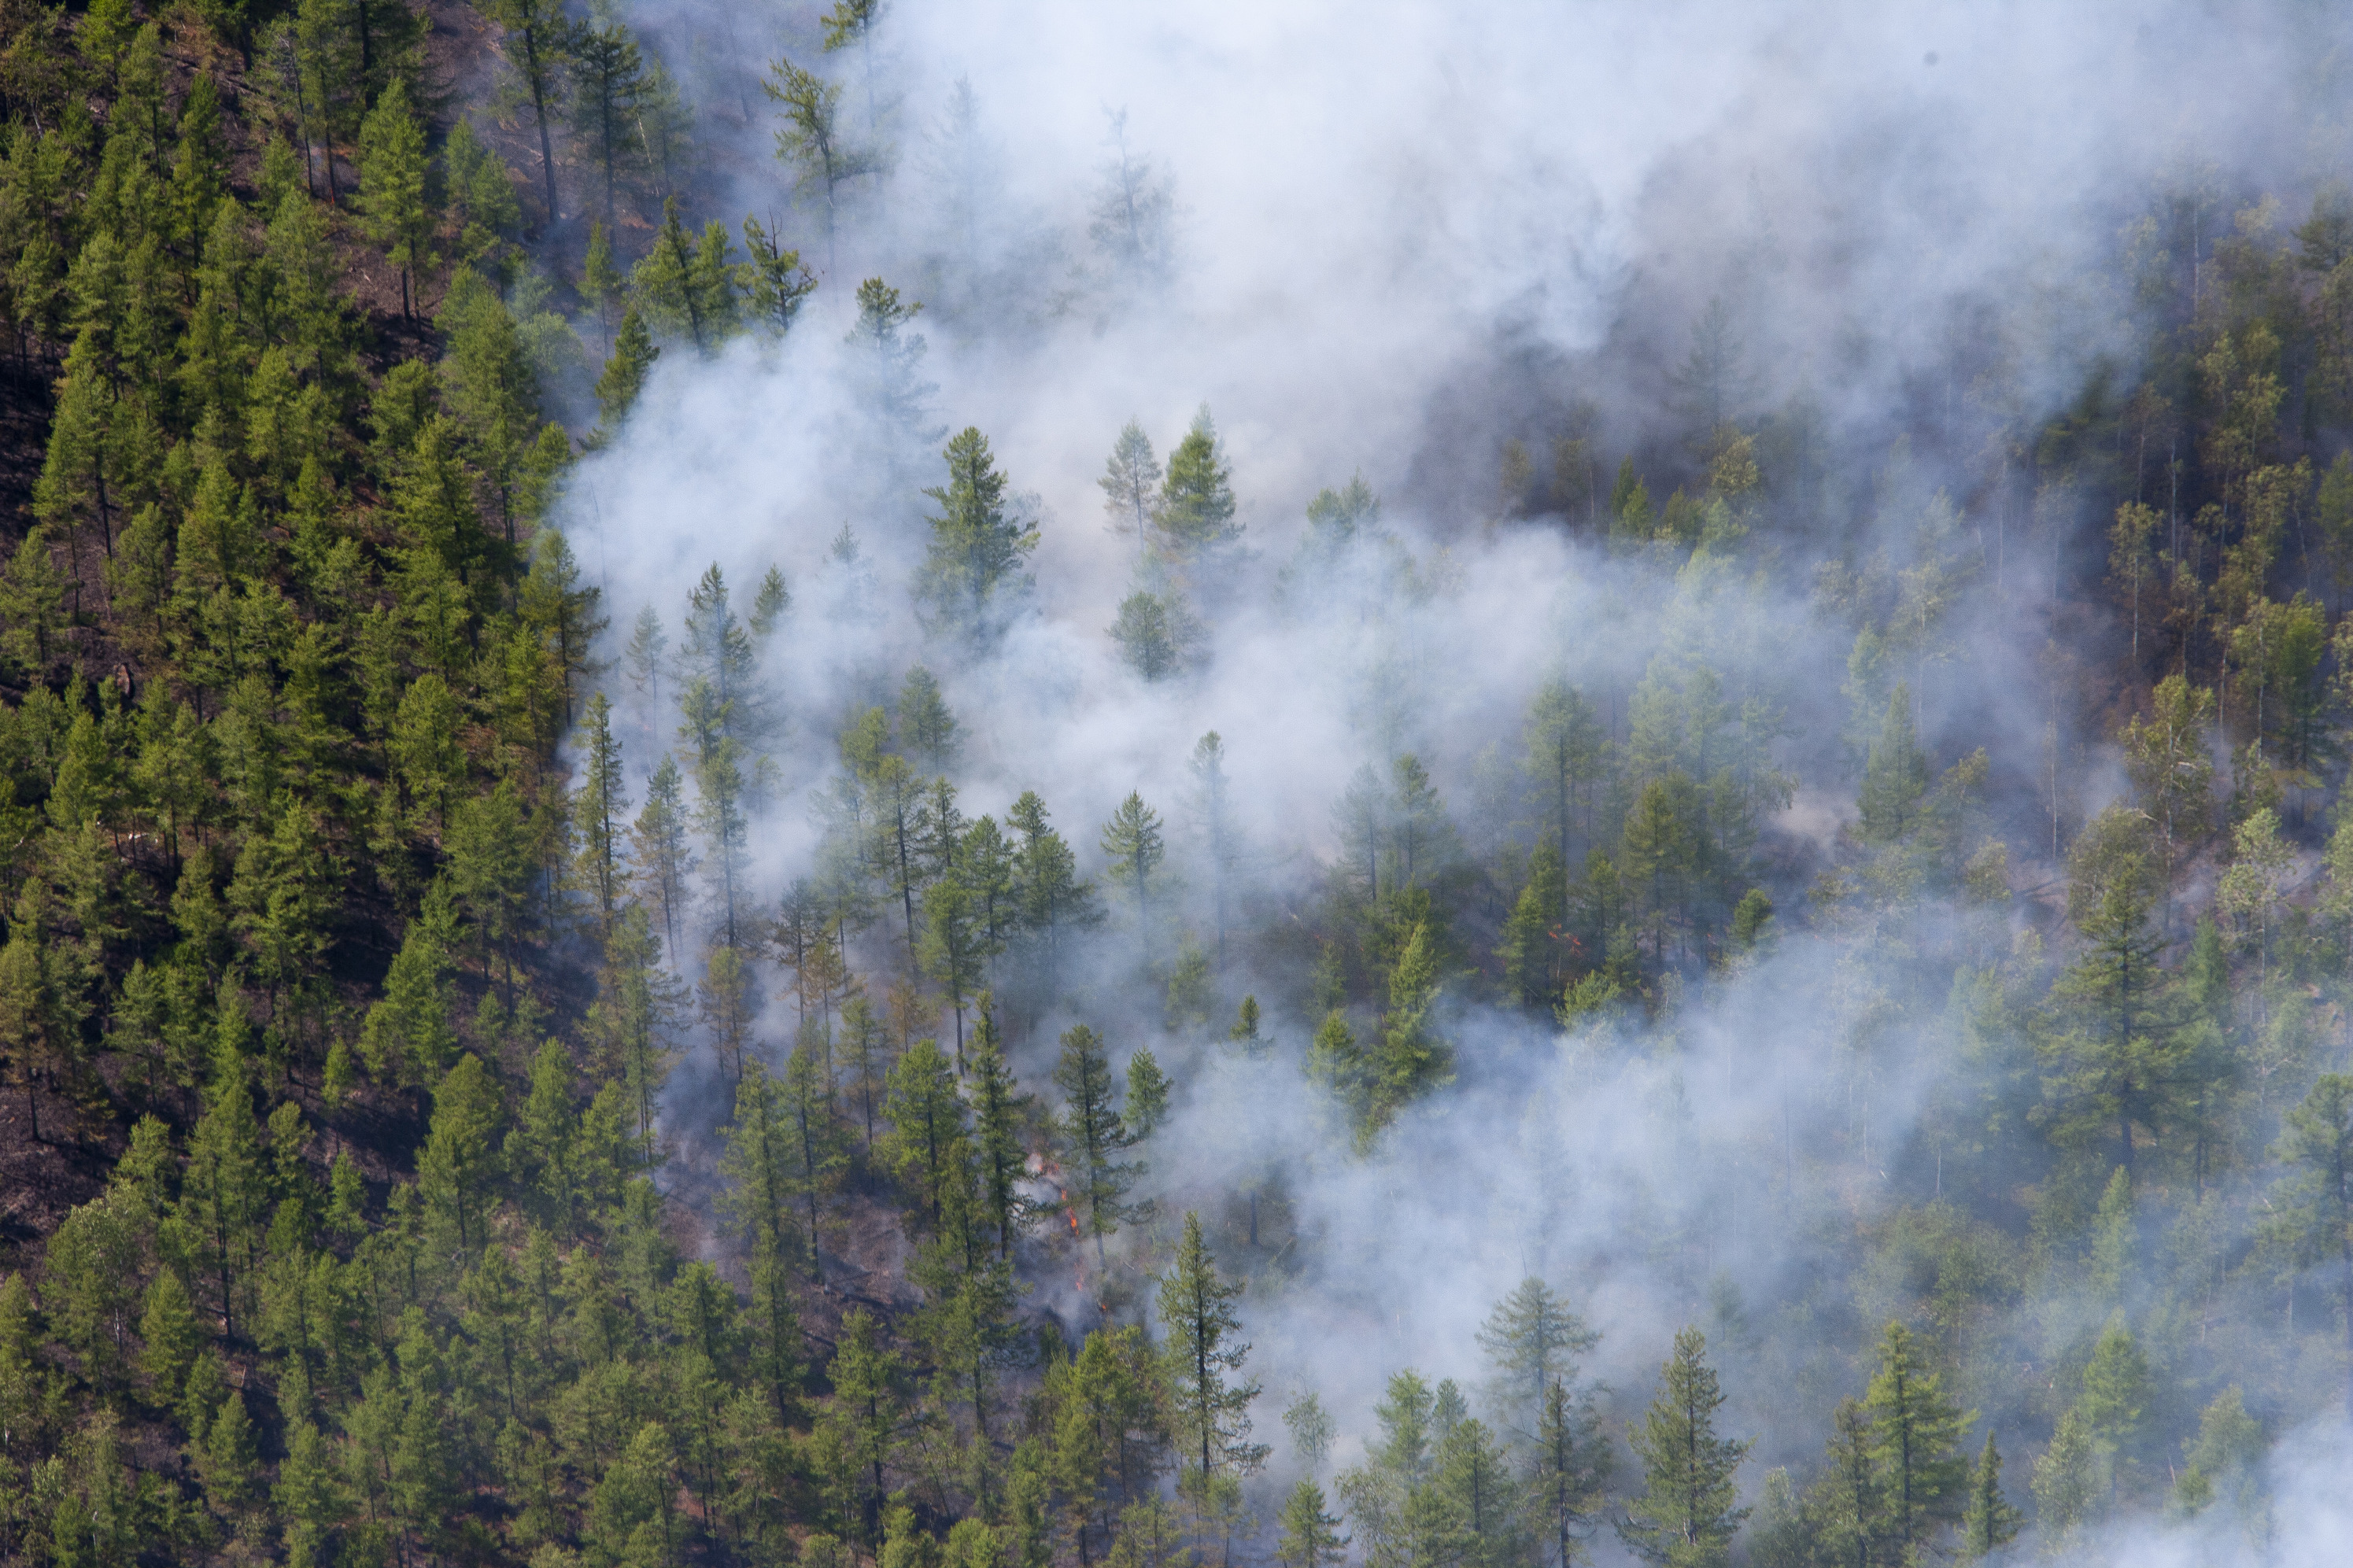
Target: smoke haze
x,y
1396,239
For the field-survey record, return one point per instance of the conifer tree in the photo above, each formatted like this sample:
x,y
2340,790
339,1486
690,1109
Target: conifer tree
x,y
1895,775
1196,497
928,1138
1684,1516
1131,484
1916,1442
999,1111
608,73
2315,1221
812,140
539,33
393,186
819,1157
1533,1340
222,1196
658,844
1990,1522
776,282
972,568
1093,1135
625,372
1132,840
927,727
1568,1474
460,1155
1212,1409
1309,1537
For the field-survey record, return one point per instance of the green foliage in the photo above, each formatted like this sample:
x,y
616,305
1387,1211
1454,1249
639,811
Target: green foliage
x,y
971,580
1684,1513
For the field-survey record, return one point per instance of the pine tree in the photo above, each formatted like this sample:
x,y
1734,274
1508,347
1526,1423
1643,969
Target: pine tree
x,y
635,1018
1895,775
222,1197
658,844
168,1330
1147,1094
954,950
812,140
926,728
1052,902
1569,1473
776,283
818,1156
1684,1516
927,1118
598,807
461,1148
999,1110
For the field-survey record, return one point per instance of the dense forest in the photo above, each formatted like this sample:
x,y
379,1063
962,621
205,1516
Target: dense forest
x,y
619,951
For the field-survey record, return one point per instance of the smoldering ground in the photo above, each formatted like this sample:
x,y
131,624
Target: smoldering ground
x,y
1393,239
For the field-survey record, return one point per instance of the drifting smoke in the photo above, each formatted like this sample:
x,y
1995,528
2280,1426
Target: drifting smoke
x,y
1395,237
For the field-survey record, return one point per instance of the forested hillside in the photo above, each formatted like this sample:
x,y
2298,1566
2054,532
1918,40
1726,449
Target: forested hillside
x,y
1728,938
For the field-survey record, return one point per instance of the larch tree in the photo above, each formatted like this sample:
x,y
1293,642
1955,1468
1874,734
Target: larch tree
x,y
1212,1401
1134,841
1093,1136
973,565
811,141
2316,1219
393,191
1533,1340
1685,1515
1130,487
1916,1442
1197,496
607,74
543,34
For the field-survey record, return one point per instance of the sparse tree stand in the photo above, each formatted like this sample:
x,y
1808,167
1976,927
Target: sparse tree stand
x,y
539,26
1684,1516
